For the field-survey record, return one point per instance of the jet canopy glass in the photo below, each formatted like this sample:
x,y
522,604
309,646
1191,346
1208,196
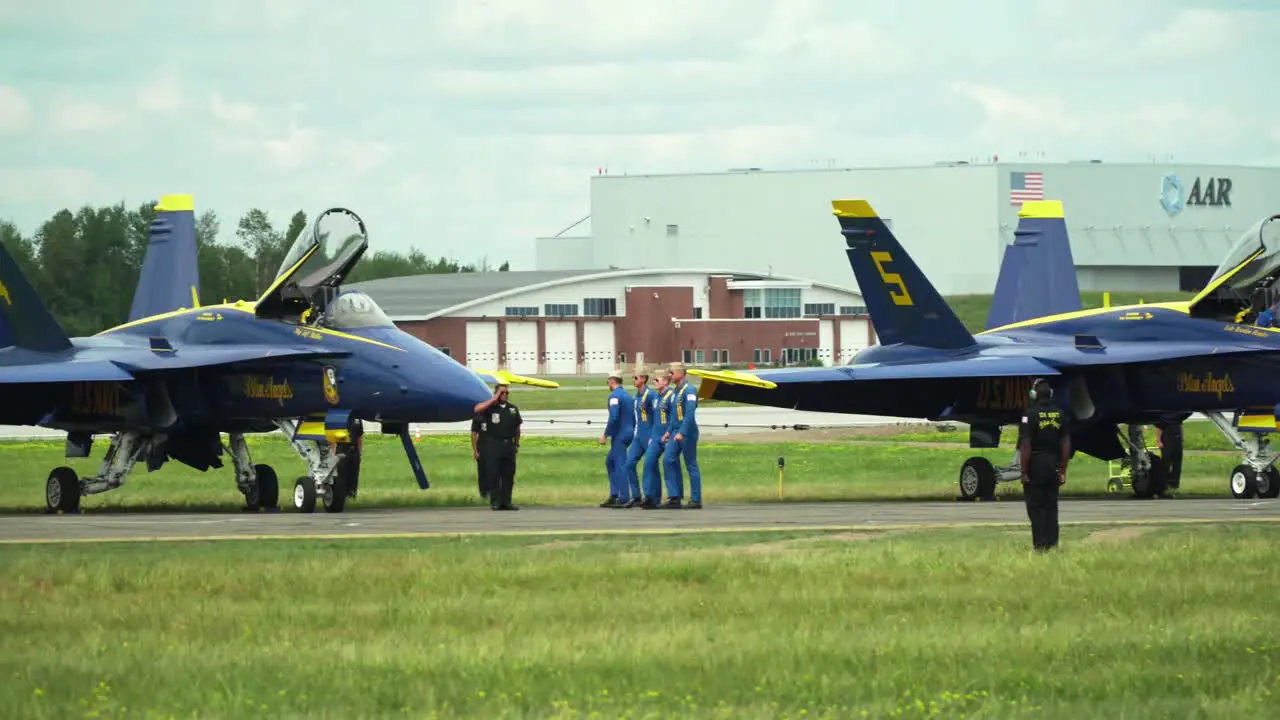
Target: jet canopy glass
x,y
353,310
1253,263
320,259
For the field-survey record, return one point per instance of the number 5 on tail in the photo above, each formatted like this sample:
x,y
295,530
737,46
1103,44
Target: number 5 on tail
x,y
902,297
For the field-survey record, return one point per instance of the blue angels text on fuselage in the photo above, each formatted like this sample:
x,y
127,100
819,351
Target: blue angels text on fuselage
x,y
1143,364
305,358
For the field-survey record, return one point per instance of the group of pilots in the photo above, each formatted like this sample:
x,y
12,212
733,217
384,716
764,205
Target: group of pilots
x,y
656,423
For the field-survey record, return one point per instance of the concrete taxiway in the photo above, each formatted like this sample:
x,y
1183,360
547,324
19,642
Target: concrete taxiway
x,y
103,526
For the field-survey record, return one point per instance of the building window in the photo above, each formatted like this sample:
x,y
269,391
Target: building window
x,y
853,309
622,358
751,303
699,358
782,303
445,349
799,356
764,355
715,357
687,357
521,311
811,309
560,309
599,306
697,313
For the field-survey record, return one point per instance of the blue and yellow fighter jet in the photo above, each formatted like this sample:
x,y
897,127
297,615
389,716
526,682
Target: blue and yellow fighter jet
x,y
306,358
1135,365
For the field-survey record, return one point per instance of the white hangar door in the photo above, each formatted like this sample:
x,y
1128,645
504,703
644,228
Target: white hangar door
x,y
853,337
522,347
561,348
482,345
598,348
827,341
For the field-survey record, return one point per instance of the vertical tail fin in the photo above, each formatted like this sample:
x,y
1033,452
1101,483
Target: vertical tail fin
x,y
904,306
24,320
170,276
1038,274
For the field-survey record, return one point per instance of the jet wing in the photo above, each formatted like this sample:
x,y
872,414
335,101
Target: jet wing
x,y
502,377
185,358
58,372
908,389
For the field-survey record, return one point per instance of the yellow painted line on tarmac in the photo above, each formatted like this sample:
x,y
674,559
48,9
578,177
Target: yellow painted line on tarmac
x,y
623,531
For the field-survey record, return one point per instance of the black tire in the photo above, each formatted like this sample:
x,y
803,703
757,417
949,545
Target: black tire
x,y
1150,482
335,501
977,479
62,491
1268,483
1244,482
268,487
304,494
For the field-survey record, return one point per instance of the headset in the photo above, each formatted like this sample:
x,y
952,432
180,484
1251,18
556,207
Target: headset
x,y
1037,381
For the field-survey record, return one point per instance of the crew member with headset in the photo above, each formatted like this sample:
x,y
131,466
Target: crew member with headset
x,y
660,415
644,404
618,432
501,446
684,434
479,450
1044,445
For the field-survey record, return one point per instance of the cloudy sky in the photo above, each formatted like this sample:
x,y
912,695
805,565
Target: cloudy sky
x,y
468,127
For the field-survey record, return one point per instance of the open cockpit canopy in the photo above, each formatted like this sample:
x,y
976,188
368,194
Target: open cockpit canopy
x,y
1246,276
320,259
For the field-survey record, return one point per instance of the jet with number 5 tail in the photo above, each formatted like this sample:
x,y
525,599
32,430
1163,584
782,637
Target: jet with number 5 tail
x,y
1133,365
306,358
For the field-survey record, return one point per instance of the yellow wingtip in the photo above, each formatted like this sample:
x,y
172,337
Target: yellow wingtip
x,y
195,297
502,377
1041,209
733,377
176,203
853,208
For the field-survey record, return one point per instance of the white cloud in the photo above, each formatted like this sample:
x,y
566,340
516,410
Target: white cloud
x,y
362,157
15,110
54,186
82,116
1009,114
1191,33
230,111
164,94
293,150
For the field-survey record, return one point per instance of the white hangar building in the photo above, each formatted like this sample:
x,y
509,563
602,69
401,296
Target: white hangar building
x,y
1145,227
589,322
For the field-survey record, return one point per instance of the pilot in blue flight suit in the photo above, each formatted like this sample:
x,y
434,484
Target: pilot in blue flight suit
x,y
1267,318
617,434
646,401
661,410
683,440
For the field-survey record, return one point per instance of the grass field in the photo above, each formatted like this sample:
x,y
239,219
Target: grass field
x,y
1119,623
820,465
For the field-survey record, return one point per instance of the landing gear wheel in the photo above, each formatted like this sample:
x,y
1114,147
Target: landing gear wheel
x,y
62,491
1268,483
304,494
977,479
335,497
1151,482
268,494
1114,486
1244,482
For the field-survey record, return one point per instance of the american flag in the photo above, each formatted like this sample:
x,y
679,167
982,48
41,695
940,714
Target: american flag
x,y
1024,186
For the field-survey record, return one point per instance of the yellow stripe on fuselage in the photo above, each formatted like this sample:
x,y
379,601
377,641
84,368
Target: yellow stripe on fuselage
x,y
1182,307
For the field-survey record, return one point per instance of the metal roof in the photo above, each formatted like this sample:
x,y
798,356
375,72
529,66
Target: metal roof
x,y
422,297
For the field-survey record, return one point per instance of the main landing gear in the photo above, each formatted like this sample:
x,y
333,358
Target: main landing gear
x,y
978,477
63,489
333,471
1257,476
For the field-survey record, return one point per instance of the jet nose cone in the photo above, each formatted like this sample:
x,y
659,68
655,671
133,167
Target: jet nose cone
x,y
461,391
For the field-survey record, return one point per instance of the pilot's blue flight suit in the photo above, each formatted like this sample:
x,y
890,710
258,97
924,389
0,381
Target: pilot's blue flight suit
x,y
620,429
661,409
670,462
685,402
646,400
1267,318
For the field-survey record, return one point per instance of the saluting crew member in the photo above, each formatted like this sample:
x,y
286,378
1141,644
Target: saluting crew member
x,y
1044,444
618,432
479,436
501,446
644,403
660,419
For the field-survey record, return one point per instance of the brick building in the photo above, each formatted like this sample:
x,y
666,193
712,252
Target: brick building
x,y
587,321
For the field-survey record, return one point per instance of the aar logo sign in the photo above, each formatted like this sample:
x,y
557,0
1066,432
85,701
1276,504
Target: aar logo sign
x,y
1213,192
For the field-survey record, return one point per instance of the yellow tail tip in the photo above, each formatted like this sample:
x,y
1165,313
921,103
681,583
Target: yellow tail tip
x,y
1041,209
853,208
176,203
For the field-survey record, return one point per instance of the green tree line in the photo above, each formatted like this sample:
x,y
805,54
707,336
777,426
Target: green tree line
x,y
85,264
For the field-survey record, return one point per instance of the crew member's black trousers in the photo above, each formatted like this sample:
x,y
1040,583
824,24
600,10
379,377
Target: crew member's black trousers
x,y
1041,495
482,471
500,462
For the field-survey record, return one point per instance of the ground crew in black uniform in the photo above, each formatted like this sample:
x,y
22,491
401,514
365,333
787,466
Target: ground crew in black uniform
x,y
1044,446
502,444
1171,452
479,436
